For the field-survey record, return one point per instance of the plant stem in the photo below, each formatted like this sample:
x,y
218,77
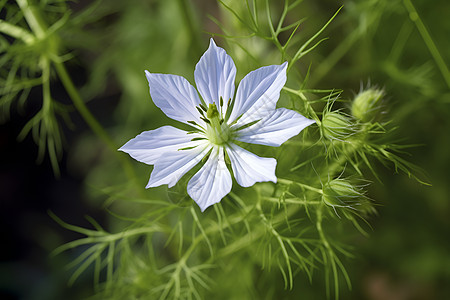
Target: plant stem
x,y
308,187
189,20
39,28
90,119
308,106
328,248
16,32
33,18
414,16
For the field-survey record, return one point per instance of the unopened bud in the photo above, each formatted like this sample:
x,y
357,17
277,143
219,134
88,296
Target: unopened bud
x,y
365,104
335,125
340,192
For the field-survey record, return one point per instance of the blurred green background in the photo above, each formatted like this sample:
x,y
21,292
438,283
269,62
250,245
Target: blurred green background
x,y
407,255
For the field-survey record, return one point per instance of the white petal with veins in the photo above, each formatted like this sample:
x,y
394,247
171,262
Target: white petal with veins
x,y
258,93
274,129
170,167
148,146
249,168
214,76
209,185
175,96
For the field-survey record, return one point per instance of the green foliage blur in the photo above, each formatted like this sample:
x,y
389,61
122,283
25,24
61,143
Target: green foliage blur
x,y
399,47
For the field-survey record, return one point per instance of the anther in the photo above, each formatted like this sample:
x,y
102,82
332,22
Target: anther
x,y
221,101
237,119
227,158
203,107
206,120
200,110
198,139
187,148
247,125
205,158
193,123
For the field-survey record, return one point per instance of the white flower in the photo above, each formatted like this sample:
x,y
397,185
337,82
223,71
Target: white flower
x,y
219,119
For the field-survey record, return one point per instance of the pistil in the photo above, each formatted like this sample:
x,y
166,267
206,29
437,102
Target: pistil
x,y
218,132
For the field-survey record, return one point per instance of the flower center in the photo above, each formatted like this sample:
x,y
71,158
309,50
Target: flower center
x,y
217,131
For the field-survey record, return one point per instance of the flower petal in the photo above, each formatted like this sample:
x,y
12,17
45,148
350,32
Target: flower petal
x,y
274,129
170,167
214,76
148,146
249,168
209,185
258,93
175,96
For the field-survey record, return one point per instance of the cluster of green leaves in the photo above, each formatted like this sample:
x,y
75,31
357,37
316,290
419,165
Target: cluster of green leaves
x,y
28,48
258,241
33,52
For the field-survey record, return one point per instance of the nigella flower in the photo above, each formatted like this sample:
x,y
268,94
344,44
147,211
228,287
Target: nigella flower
x,y
219,119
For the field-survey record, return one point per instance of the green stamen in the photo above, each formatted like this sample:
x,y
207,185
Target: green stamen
x,y
187,148
247,125
206,120
193,123
200,110
203,107
205,158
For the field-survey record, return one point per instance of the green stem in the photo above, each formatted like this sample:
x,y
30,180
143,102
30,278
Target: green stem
x,y
189,20
89,118
414,16
328,248
81,107
33,18
47,115
303,51
319,227
308,187
308,106
333,58
16,32
39,28
297,201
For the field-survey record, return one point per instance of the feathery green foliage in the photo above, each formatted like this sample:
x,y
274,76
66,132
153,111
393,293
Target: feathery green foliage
x,y
258,241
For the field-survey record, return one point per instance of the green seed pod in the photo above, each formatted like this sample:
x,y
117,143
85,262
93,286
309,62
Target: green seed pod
x,y
340,192
365,104
336,125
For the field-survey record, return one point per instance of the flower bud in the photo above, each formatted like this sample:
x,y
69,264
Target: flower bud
x,y
340,192
335,125
365,104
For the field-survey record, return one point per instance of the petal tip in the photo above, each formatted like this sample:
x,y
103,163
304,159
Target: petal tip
x,y
148,75
203,208
123,148
311,121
